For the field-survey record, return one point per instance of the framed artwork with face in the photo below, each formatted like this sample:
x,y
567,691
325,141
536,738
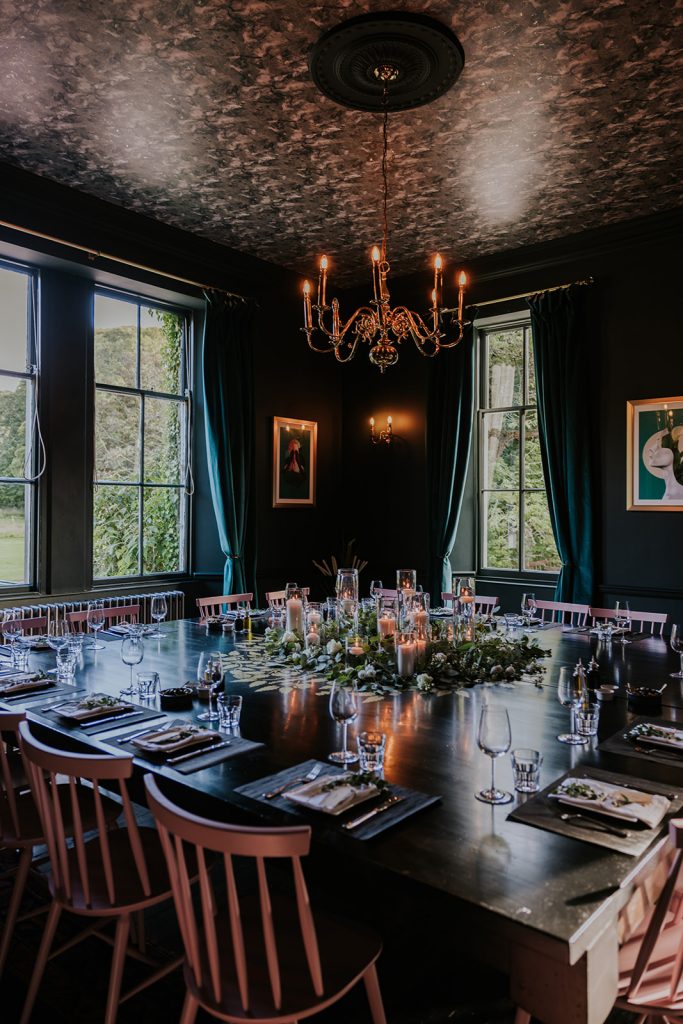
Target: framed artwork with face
x,y
654,469
295,449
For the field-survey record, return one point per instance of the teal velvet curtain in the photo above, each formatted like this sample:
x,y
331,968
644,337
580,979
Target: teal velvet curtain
x,y
450,415
228,386
562,356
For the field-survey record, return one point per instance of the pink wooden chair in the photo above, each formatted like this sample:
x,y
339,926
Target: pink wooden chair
x,y
214,605
638,619
20,825
113,875
277,597
259,957
387,592
78,621
29,625
562,611
483,604
651,956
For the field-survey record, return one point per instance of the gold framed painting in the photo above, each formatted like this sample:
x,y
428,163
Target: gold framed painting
x,y
295,453
654,455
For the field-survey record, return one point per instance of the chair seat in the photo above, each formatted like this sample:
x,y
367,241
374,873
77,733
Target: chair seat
x,y
30,827
346,950
654,989
129,894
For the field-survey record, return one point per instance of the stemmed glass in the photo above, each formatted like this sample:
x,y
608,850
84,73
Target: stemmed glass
x,y
528,611
210,674
132,653
375,587
158,610
13,630
570,693
344,709
58,634
622,618
676,644
494,738
95,621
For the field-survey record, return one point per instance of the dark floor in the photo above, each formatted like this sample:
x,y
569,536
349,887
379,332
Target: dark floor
x,y
74,985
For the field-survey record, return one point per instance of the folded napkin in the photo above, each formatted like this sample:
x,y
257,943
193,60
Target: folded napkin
x,y
24,682
182,737
332,801
120,628
96,705
665,735
618,801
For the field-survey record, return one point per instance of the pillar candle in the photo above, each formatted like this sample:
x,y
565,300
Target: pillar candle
x,y
386,625
295,615
420,651
406,660
314,617
421,620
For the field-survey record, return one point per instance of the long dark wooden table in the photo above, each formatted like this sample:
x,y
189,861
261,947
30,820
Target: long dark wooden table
x,y
540,906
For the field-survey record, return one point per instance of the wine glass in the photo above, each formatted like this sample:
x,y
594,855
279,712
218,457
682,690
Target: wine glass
x,y
132,653
375,587
158,610
622,619
210,674
12,629
344,709
676,644
95,621
528,611
58,634
570,692
494,738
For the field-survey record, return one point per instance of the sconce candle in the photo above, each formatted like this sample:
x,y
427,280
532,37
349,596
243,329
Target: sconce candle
x,y
384,436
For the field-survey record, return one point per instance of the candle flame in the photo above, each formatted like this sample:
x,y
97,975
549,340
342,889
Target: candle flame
x,y
372,421
389,421
375,254
438,262
307,287
462,279
323,262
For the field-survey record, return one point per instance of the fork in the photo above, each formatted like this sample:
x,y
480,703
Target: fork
x,y
309,777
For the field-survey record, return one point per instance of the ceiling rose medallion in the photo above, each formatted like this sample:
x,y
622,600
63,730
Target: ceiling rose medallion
x,y
385,63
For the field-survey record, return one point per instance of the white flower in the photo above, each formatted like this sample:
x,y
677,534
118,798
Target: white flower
x,y
424,681
439,659
333,647
510,672
288,637
368,672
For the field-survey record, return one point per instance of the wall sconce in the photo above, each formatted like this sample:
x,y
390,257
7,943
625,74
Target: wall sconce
x,y
382,436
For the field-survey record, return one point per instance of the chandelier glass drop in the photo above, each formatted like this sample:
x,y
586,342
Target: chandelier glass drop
x,y
378,325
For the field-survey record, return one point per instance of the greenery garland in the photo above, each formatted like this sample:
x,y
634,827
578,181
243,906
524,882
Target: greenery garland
x,y
449,665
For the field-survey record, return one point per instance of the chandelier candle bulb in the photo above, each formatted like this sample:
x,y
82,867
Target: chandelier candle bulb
x,y
308,318
462,282
322,282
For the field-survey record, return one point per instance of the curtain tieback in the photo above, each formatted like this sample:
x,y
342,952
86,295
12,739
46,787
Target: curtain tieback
x,y
233,558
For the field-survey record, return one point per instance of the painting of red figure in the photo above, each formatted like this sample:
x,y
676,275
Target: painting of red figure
x,y
294,461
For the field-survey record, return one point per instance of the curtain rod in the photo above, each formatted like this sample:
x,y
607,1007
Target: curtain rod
x,y
527,295
94,254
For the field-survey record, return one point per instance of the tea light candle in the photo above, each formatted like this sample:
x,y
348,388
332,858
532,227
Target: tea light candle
x,y
312,638
315,618
405,656
356,647
295,615
386,625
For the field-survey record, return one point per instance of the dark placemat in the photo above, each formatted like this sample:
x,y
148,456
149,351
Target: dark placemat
x,y
618,744
238,745
29,700
541,812
410,804
141,715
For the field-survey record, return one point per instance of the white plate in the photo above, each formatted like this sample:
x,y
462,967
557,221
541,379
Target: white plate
x,y
363,794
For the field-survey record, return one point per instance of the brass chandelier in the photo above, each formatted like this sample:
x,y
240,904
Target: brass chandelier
x,y
377,324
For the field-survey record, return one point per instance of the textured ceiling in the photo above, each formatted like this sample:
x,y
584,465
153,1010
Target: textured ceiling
x,y
202,114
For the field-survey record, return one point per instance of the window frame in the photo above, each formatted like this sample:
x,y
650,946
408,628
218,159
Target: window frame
x,y
184,397
32,375
485,326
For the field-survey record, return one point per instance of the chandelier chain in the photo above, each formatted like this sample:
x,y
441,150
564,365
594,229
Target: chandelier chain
x,y
385,182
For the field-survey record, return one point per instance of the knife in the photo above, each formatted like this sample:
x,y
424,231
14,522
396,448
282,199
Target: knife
x,y
208,748
371,814
112,718
26,694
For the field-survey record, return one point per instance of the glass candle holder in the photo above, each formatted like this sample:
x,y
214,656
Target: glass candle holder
x,y
294,609
355,651
347,593
314,621
464,593
406,579
387,618
406,654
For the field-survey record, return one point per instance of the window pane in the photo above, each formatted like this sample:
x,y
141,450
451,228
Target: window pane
x,y
530,370
14,532
117,436
14,353
501,531
539,544
162,532
115,341
161,335
115,531
533,467
15,413
162,441
501,450
506,366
